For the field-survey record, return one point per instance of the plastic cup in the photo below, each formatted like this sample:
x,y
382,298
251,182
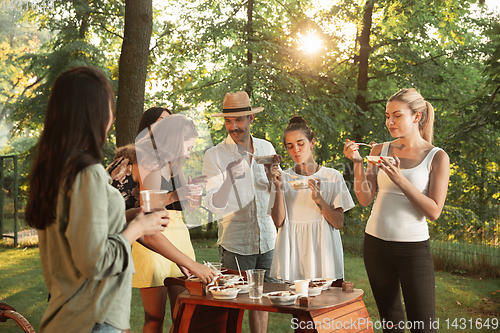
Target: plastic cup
x,y
302,287
153,201
195,197
255,283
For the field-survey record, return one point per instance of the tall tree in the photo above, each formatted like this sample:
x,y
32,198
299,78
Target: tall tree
x,y
133,69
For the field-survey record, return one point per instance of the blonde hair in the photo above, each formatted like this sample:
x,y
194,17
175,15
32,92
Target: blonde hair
x,y
417,103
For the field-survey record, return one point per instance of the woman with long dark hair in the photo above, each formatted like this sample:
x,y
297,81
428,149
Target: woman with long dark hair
x,y
407,192
84,239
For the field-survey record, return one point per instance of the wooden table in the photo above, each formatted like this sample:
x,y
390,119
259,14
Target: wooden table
x,y
332,311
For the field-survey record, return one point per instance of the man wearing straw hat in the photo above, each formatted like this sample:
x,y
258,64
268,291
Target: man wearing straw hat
x,y
238,193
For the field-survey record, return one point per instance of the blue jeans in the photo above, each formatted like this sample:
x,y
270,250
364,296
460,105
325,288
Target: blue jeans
x,y
105,328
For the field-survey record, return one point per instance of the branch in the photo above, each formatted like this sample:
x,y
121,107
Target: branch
x,y
160,37
111,32
494,94
31,86
204,86
425,61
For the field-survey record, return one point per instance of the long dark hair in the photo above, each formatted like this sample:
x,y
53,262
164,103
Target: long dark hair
x,y
150,116
77,118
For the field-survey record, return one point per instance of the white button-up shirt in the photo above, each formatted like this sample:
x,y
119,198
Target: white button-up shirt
x,y
245,227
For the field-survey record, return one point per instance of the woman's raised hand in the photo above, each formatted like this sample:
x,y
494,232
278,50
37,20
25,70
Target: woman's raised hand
x,y
315,186
393,171
276,177
146,225
351,151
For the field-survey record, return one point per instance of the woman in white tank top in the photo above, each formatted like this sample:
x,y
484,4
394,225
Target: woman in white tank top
x,y
408,192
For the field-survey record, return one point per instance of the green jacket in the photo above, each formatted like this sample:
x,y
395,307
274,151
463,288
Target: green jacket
x,y
87,263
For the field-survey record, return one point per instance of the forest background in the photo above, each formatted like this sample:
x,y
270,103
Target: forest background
x,y
333,62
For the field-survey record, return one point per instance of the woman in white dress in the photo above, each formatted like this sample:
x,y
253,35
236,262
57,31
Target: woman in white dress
x,y
309,217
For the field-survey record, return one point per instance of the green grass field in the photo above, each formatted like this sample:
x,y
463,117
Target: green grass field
x,y
459,299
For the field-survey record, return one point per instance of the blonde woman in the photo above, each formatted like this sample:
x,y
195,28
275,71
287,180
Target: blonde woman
x,y
408,192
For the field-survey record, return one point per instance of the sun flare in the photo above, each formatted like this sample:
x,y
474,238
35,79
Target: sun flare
x,y
311,43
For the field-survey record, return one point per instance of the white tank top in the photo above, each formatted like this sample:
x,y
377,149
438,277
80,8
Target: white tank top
x,y
393,217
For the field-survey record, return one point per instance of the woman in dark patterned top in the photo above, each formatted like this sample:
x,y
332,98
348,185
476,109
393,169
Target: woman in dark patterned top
x,y
173,248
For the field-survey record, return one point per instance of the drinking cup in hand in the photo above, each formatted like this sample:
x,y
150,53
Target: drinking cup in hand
x,y
153,200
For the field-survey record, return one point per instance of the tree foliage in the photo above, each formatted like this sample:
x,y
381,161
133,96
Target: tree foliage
x,y
448,50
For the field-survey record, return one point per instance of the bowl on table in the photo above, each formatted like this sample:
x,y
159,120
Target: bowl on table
x,y
282,297
223,292
315,288
243,285
229,278
327,282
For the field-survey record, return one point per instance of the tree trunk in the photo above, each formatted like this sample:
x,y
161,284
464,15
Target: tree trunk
x,y
133,69
364,54
249,87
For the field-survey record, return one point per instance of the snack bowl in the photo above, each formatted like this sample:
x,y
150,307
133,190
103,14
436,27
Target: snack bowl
x,y
223,292
282,297
229,278
315,288
264,159
327,282
300,184
375,159
242,285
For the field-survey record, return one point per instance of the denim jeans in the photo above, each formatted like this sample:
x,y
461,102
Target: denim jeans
x,y
406,266
253,261
105,328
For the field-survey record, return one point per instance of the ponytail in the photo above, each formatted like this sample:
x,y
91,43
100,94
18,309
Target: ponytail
x,y
426,124
417,103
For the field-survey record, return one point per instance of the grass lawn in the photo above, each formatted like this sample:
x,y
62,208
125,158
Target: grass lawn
x,y
459,299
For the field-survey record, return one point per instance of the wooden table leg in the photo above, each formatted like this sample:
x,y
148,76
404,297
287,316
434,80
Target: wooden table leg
x,y
235,320
186,314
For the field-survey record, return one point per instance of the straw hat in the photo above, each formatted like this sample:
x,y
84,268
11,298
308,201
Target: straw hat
x,y
237,105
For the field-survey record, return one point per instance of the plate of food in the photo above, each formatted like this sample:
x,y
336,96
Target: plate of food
x,y
243,285
315,288
228,278
327,282
282,297
224,292
299,184
376,159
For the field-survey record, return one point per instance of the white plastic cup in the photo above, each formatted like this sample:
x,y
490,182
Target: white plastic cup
x,y
302,287
255,283
195,197
153,201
